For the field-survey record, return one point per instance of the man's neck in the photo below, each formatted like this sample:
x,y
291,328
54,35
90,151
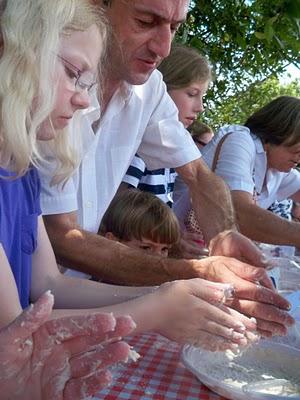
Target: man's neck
x,y
109,87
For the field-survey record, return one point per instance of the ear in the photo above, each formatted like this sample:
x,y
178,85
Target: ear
x,y
111,236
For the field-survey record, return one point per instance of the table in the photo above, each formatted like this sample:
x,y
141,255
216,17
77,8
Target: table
x,y
158,374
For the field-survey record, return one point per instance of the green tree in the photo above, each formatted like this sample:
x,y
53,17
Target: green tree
x,y
236,108
245,40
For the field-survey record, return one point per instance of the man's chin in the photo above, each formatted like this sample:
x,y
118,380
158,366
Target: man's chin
x,y
139,78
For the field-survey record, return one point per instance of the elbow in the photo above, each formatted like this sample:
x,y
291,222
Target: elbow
x,y
59,229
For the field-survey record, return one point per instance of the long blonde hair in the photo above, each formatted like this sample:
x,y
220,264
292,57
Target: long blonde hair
x,y
30,36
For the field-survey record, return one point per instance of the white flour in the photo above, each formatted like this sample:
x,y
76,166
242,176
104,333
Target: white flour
x,y
268,370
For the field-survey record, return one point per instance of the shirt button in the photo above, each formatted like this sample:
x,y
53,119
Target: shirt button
x,y
89,204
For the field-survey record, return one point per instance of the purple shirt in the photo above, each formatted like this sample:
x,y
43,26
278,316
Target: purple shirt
x,y
19,211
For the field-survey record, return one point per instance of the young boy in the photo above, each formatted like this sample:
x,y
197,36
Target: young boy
x,y
142,221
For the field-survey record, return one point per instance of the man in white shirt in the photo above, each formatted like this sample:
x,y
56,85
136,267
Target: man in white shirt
x,y
137,115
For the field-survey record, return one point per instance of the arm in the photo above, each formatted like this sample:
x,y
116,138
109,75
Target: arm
x,y
107,259
296,196
72,292
213,207
153,311
210,197
10,306
199,296
262,225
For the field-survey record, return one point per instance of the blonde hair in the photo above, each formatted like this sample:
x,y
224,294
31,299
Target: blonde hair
x,y
183,66
30,36
134,214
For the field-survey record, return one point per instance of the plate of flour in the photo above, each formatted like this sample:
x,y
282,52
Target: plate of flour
x,y
265,371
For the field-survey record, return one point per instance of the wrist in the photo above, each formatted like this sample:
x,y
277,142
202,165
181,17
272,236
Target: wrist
x,y
220,237
180,268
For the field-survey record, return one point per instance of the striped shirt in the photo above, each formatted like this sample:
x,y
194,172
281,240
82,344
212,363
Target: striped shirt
x,y
160,182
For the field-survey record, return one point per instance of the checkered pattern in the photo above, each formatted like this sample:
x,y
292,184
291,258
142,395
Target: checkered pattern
x,y
158,374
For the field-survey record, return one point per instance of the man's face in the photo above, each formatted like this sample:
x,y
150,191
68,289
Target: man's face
x,y
142,35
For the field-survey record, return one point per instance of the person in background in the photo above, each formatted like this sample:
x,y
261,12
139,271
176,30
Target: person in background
x,y
141,221
258,162
135,98
50,54
201,133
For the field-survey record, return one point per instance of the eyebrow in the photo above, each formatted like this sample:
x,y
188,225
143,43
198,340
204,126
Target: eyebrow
x,y
76,60
143,9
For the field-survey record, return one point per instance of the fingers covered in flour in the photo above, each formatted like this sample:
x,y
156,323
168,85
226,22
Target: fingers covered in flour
x,y
192,311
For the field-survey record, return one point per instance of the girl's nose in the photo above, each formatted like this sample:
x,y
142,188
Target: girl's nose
x,y
81,99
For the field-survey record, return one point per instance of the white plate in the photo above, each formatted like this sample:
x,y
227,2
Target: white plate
x,y
244,377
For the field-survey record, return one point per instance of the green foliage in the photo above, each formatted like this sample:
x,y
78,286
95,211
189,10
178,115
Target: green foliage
x,y
246,41
235,109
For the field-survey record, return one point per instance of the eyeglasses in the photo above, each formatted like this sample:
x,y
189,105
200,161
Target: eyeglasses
x,y
199,141
82,80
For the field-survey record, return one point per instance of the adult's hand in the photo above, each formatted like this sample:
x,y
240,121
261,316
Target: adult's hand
x,y
254,296
192,311
59,359
191,246
234,244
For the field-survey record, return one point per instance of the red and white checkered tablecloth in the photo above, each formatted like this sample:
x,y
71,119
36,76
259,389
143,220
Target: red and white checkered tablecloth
x,y
158,374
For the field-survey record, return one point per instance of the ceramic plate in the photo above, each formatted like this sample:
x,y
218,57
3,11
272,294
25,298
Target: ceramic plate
x,y
265,371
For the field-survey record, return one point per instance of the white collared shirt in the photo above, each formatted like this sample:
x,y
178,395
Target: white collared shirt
x,y
242,163
139,119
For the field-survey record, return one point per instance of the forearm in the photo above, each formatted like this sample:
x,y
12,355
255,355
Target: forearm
x,y
74,293
143,310
10,307
264,226
112,261
211,199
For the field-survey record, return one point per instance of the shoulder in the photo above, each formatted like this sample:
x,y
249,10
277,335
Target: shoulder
x,y
235,132
237,137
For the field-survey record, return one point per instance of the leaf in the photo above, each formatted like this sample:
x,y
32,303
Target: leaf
x,y
260,35
293,8
269,32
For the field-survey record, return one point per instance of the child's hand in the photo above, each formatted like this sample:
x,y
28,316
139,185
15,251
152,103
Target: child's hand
x,y
192,311
60,359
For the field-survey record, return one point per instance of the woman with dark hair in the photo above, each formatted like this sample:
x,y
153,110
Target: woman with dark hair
x,y
258,162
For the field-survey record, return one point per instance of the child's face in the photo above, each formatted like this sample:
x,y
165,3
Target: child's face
x,y
189,101
78,56
147,245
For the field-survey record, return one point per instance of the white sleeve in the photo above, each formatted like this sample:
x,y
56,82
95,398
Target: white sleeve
x,y
289,185
135,172
236,161
57,199
166,143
